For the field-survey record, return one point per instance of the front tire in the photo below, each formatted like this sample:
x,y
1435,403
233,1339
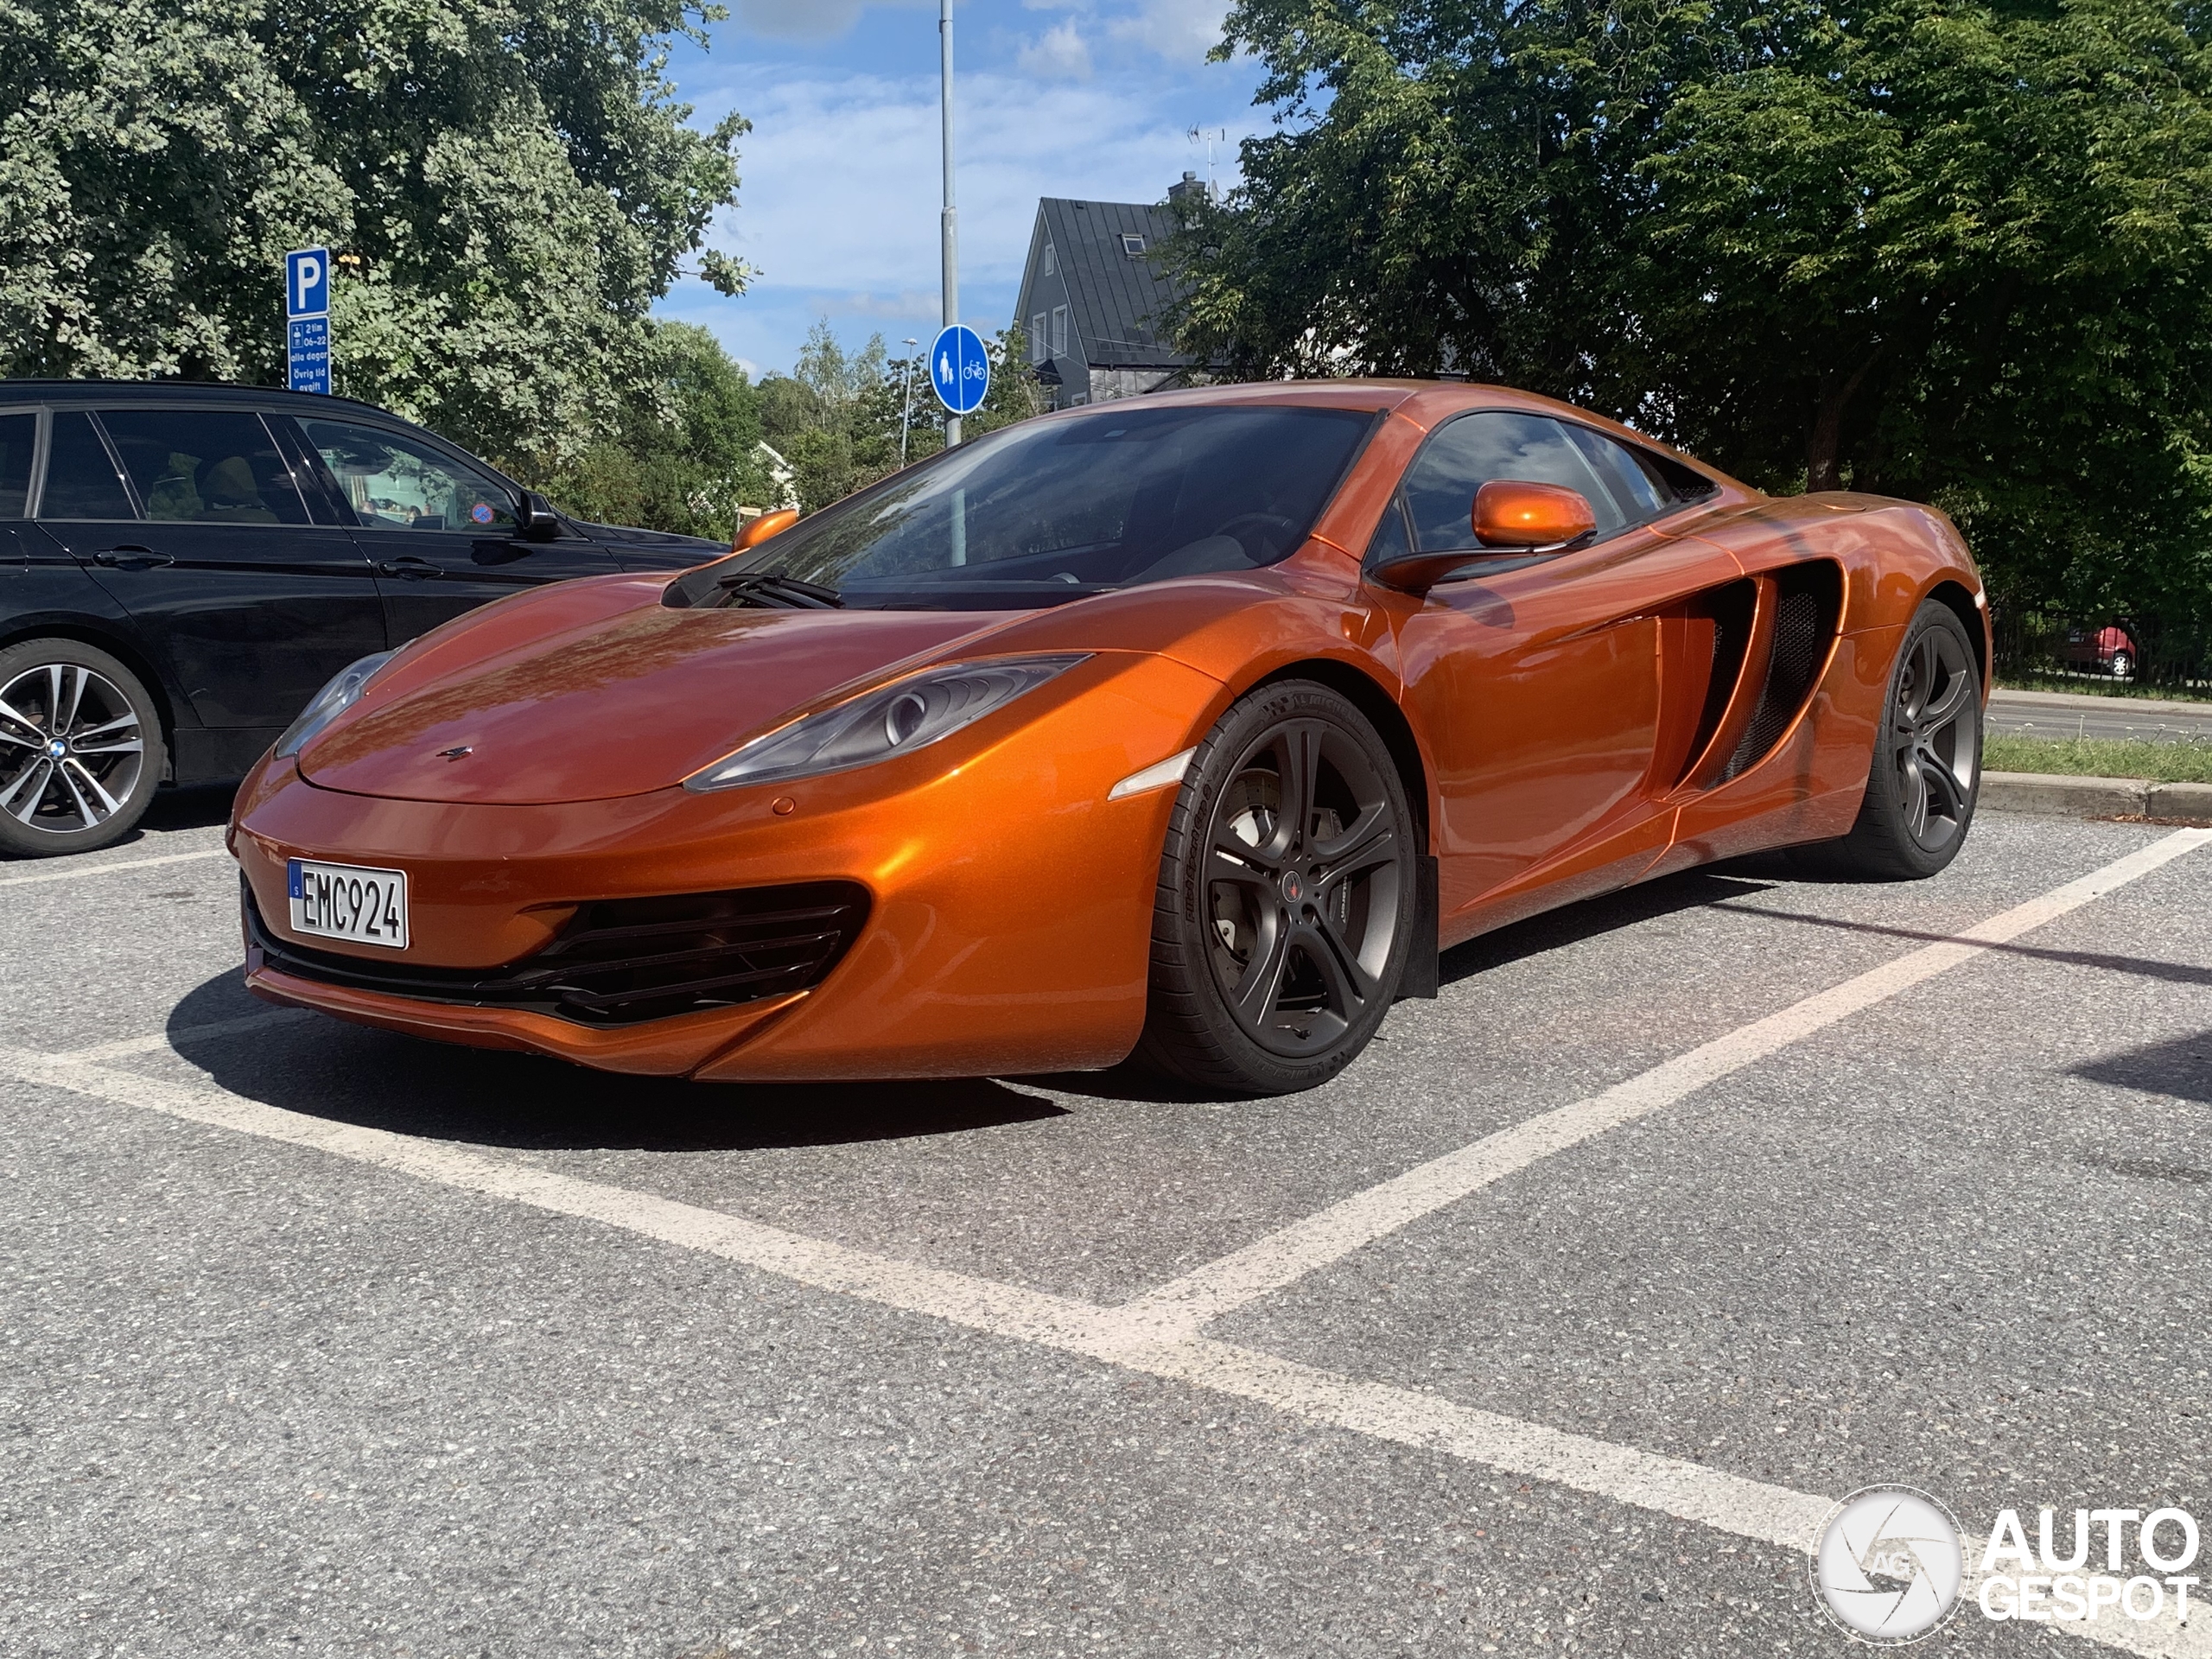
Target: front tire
x,y
80,749
1927,768
1285,912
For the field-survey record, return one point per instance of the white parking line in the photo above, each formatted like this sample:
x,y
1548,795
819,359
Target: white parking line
x,y
71,872
1688,1492
161,1040
1183,1304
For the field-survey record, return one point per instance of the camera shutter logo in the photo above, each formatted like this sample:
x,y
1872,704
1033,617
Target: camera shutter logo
x,y
1888,1565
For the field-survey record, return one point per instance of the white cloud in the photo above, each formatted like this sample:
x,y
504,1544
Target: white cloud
x,y
1182,31
1059,54
807,20
839,206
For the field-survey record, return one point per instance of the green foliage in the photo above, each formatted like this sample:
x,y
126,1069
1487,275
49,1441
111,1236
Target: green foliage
x,y
507,184
1957,252
838,417
683,455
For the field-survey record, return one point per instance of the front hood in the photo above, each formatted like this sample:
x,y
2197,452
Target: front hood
x,y
591,706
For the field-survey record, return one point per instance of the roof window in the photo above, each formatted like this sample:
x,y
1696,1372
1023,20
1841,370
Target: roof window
x,y
1133,244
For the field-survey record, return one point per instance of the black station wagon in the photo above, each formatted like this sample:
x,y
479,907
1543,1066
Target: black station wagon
x,y
183,566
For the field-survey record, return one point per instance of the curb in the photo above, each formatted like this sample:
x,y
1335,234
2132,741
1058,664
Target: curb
x,y
2053,795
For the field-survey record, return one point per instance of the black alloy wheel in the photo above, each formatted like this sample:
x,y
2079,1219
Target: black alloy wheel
x,y
1926,774
1287,898
80,749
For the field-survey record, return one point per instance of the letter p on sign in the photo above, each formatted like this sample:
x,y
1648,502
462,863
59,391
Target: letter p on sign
x,y
307,282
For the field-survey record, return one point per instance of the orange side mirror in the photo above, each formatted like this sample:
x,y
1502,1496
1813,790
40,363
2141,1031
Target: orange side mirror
x,y
1511,513
767,524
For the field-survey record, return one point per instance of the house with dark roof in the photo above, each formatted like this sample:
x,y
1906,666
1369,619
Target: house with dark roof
x,y
1094,305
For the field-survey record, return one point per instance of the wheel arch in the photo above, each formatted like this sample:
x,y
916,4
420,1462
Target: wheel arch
x,y
1954,597
118,646
1372,699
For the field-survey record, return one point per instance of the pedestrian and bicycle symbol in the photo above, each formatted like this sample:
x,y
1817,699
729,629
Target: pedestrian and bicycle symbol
x,y
959,369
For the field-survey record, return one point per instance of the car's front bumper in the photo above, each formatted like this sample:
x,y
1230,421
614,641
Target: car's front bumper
x,y
1009,901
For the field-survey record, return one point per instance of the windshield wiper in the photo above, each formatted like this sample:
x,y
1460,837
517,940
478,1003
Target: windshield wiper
x,y
777,593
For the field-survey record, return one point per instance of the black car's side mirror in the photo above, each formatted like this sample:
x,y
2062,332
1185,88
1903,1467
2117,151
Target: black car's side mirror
x,y
537,521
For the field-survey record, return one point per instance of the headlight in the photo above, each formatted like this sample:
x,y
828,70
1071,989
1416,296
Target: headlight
x,y
331,701
895,719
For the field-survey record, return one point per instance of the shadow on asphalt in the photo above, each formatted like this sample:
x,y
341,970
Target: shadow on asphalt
x,y
1557,928
2180,1069
325,1068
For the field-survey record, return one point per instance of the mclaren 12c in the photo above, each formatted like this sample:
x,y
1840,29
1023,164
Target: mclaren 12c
x,y
1189,728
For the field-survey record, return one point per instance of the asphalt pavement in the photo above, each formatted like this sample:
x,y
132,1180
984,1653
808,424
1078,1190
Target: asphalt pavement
x,y
2066,714
1553,1327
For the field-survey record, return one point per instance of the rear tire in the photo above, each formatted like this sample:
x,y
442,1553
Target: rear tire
x,y
1926,775
1285,911
80,749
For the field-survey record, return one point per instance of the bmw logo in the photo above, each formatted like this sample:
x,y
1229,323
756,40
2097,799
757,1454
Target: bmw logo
x,y
57,748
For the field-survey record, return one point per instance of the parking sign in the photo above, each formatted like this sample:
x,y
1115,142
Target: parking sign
x,y
307,282
959,369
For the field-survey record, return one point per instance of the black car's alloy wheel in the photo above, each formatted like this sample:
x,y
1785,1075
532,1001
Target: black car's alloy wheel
x,y
80,749
1927,765
1286,897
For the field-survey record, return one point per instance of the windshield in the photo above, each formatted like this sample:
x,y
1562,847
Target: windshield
x,y
1049,511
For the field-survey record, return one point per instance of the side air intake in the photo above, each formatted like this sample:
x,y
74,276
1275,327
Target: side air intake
x,y
1807,601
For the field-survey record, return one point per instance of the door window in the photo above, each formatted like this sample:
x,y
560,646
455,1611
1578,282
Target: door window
x,y
397,483
204,467
82,481
1476,450
18,434
1640,493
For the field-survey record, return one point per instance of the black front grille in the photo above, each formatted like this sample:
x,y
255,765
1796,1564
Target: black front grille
x,y
617,962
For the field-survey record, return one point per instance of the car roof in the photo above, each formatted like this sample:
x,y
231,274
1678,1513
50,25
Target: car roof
x,y
170,392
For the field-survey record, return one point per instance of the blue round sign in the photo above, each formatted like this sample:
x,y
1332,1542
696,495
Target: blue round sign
x,y
959,370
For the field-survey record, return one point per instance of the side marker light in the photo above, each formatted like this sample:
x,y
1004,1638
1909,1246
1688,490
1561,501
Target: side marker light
x,y
1156,776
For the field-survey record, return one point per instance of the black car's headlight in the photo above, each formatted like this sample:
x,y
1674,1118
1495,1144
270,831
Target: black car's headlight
x,y
334,700
895,719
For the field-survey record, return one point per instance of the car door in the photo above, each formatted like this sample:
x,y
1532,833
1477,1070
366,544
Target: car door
x,y
438,529
192,518
1539,675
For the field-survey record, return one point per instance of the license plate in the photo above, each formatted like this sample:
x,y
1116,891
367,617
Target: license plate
x,y
344,901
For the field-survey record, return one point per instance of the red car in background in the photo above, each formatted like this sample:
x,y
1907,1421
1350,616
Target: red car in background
x,y
2109,650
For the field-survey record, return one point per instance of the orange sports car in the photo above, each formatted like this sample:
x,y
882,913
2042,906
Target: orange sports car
x,y
1190,727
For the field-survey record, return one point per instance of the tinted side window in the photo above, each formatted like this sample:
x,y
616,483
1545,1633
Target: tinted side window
x,y
1475,449
204,467
394,483
81,482
1641,495
18,434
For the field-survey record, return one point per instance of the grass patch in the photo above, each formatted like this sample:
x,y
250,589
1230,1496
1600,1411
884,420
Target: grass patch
x,y
2099,757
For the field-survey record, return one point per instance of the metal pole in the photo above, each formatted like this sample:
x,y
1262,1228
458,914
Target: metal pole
x,y
951,219
906,413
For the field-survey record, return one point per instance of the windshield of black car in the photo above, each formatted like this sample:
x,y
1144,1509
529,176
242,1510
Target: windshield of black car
x,y
1046,512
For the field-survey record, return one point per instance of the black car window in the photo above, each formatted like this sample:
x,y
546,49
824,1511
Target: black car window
x,y
1474,450
82,481
18,433
204,467
397,483
1640,493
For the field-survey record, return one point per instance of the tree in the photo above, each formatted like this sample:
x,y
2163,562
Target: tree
x,y
507,183
836,417
1957,251
683,455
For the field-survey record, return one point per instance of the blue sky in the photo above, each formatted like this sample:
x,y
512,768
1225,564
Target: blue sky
x,y
838,209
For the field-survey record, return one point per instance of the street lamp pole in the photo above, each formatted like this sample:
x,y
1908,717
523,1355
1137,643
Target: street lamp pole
x,y
951,221
906,414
